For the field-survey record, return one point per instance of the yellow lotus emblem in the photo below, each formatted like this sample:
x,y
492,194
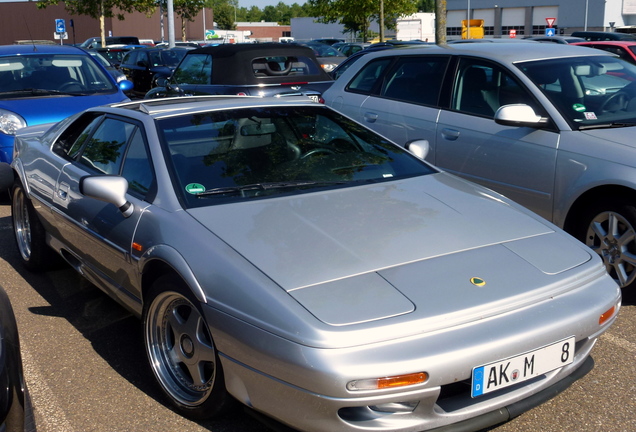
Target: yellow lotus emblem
x,y
477,281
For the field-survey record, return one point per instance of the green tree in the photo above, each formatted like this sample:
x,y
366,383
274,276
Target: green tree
x,y
224,16
102,9
426,6
356,15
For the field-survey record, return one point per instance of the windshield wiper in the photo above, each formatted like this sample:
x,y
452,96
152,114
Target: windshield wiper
x,y
607,125
266,186
40,92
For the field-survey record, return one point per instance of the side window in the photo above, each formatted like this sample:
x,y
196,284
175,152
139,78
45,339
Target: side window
x,y
71,140
137,167
129,58
194,69
365,79
416,79
482,88
104,150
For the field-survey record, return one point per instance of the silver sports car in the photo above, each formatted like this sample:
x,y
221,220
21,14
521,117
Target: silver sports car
x,y
283,255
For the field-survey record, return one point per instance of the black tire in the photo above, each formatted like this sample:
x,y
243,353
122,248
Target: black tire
x,y
609,228
29,233
181,351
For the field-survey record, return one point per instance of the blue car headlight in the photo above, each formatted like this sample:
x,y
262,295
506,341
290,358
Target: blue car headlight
x,y
10,122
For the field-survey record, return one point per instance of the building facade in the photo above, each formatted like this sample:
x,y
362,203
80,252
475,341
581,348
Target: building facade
x,y
529,17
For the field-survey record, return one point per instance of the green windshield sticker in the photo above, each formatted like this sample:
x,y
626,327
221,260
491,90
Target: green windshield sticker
x,y
195,188
578,107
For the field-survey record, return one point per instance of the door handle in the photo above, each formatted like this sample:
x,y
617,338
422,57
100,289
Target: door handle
x,y
370,117
450,134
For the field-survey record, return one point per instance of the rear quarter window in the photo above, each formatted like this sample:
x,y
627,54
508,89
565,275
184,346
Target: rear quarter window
x,y
367,77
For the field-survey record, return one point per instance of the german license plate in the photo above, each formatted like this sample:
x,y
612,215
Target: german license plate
x,y
504,373
314,98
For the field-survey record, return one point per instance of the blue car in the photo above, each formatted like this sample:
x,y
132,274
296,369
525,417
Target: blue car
x,y
47,83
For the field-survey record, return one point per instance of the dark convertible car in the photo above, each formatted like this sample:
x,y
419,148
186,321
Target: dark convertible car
x,y
269,69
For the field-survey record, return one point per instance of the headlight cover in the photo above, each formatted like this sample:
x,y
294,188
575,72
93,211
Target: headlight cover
x,y
10,122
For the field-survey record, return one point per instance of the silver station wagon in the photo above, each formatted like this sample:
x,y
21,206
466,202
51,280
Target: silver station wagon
x,y
283,255
550,126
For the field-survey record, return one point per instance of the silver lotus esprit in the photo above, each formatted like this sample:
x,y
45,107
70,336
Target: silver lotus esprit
x,y
283,256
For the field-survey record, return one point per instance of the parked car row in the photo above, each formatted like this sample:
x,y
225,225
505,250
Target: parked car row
x,y
296,256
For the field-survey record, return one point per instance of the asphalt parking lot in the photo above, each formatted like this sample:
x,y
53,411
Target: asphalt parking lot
x,y
86,368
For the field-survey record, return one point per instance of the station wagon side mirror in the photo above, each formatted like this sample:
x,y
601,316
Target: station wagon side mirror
x,y
110,189
419,148
519,115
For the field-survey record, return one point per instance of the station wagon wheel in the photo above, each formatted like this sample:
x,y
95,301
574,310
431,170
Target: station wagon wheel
x,y
181,351
29,233
609,228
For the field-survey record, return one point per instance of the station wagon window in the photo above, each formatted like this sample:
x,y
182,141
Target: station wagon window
x,y
368,76
415,79
194,69
482,88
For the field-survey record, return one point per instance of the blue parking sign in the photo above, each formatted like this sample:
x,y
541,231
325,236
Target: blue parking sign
x,y
550,31
60,26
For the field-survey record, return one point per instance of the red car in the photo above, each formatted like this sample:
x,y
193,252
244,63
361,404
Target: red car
x,y
625,49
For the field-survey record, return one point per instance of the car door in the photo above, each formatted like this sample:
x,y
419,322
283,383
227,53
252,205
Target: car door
x,y
406,106
518,162
98,233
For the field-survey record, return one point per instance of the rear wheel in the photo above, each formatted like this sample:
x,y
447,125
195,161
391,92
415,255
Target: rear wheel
x,y
609,228
181,351
29,233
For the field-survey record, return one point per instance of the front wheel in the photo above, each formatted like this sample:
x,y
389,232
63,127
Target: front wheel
x,y
609,228
181,351
29,233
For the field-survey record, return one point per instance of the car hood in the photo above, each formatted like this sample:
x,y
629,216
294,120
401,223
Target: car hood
x,y
620,135
51,109
389,249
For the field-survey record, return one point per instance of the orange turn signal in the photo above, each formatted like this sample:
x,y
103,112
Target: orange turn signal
x,y
606,315
388,382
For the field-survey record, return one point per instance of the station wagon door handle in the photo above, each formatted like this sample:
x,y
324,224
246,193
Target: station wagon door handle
x,y
370,117
450,134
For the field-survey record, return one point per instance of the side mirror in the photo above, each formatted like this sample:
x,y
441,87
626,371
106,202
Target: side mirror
x,y
110,189
162,82
125,85
419,148
518,115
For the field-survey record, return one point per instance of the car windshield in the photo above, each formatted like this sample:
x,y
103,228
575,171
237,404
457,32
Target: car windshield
x,y
589,92
165,58
244,154
42,75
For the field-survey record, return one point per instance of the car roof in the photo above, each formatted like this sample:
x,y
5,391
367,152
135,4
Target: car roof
x,y
176,106
263,49
505,53
624,43
39,49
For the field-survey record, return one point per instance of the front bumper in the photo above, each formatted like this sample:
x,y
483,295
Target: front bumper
x,y
305,387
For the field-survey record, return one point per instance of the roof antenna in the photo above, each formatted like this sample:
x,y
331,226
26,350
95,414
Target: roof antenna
x,y
29,31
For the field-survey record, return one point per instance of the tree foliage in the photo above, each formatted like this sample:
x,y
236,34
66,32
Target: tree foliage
x,y
101,9
357,15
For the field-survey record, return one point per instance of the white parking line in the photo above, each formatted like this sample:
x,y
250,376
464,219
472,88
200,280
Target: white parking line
x,y
45,404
